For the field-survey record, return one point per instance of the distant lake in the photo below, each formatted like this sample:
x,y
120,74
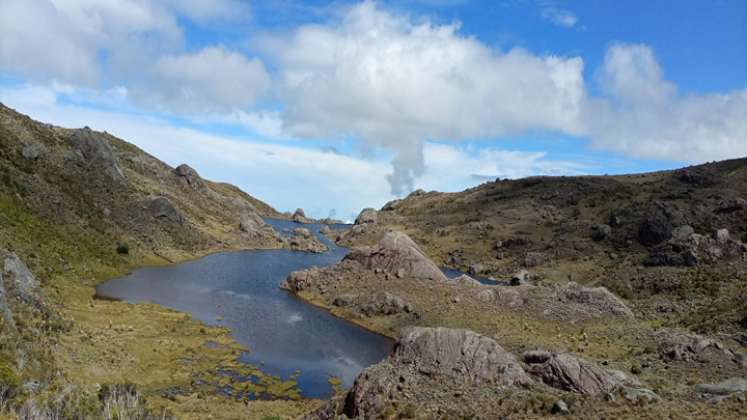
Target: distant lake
x,y
282,333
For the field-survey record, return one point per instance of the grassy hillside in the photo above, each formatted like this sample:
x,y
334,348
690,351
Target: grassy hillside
x,y
78,207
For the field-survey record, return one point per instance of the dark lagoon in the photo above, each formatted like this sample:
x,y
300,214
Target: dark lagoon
x,y
239,290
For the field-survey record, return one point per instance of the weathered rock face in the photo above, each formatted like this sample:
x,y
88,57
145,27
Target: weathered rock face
x,y
729,206
426,358
572,373
303,240
299,216
32,151
570,301
680,346
251,222
17,284
397,255
458,353
367,215
188,175
161,208
95,149
385,303
594,299
687,248
726,387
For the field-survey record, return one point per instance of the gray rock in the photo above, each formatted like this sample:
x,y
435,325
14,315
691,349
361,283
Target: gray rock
x,y
303,240
344,300
397,254
729,386
32,151
519,278
367,215
682,233
597,299
533,259
96,150
728,206
251,223
722,236
384,303
639,395
189,175
476,269
600,232
465,280
560,407
161,208
458,353
325,230
299,216
571,373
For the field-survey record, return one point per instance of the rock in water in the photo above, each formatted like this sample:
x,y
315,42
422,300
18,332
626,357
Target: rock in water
x,y
366,216
299,216
397,255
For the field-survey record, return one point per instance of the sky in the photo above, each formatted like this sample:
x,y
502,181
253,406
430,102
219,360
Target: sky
x,y
334,106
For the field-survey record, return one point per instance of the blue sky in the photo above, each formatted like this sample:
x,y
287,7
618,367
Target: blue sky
x,y
338,105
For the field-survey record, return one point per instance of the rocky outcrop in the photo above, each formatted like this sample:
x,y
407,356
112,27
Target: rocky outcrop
x,y
17,286
397,255
188,175
601,232
367,215
726,387
32,151
687,248
429,360
96,151
303,240
570,301
571,373
681,346
161,208
299,216
251,222
384,303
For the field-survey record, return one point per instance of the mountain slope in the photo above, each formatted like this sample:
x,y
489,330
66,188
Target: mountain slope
x,y
77,207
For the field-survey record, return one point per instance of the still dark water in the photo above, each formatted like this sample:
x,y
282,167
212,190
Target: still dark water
x,y
239,290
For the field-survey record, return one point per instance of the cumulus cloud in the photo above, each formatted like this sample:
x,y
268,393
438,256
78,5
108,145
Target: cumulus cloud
x,y
212,79
641,114
140,43
395,83
557,15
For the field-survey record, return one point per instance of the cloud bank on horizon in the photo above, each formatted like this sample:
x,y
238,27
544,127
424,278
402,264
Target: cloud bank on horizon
x,y
380,82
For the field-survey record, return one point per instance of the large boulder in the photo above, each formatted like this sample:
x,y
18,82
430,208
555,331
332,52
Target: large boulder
x,y
427,363
251,222
161,208
368,215
32,151
303,240
188,175
397,255
384,303
299,216
571,373
96,151
458,353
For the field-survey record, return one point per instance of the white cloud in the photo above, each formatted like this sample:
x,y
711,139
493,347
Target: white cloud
x,y
557,15
642,115
395,83
212,79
